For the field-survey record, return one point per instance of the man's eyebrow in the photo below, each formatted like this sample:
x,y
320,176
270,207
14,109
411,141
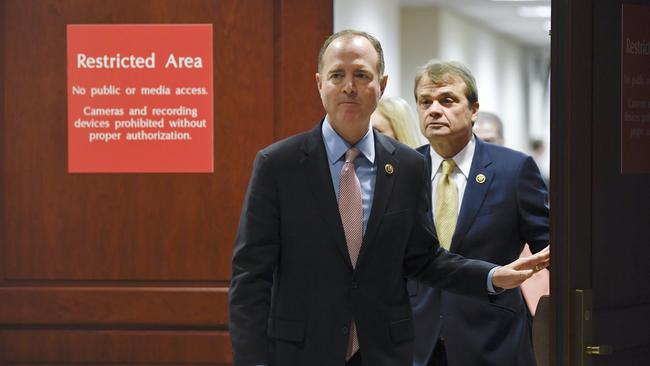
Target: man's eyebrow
x,y
335,69
447,93
438,94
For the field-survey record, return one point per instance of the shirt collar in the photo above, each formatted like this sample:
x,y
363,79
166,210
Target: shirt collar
x,y
336,146
463,159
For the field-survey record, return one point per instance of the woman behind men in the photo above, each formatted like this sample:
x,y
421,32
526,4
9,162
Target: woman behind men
x,y
393,118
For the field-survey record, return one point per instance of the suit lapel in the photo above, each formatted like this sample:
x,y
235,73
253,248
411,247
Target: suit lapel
x,y
317,172
475,193
383,188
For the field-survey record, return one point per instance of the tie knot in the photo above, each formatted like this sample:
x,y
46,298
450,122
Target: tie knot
x,y
448,166
351,154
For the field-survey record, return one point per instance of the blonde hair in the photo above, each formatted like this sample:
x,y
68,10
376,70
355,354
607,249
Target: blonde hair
x,y
398,113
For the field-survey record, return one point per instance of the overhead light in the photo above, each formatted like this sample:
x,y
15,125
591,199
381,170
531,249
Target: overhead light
x,y
534,11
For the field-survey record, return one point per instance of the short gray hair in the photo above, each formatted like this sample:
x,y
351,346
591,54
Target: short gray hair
x,y
439,71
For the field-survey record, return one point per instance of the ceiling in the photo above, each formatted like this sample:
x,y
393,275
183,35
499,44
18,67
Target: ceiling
x,y
501,16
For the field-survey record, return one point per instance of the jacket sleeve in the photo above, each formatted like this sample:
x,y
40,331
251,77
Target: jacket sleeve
x,y
255,257
532,201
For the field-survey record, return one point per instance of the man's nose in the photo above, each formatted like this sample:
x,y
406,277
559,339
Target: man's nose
x,y
348,86
435,109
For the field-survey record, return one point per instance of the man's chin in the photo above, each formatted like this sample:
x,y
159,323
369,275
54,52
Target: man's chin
x,y
351,121
354,118
437,132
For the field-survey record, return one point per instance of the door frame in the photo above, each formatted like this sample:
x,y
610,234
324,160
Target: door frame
x,y
571,154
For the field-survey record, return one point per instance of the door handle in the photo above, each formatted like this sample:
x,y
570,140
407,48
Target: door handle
x,y
584,330
598,350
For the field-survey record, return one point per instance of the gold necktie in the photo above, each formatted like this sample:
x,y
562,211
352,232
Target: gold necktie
x,y
446,205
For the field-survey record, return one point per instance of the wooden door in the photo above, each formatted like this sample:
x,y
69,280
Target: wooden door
x,y
600,217
134,268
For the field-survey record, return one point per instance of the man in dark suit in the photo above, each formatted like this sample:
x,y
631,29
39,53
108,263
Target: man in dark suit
x,y
500,204
312,287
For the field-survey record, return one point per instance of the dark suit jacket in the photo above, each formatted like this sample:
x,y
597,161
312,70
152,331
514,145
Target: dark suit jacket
x,y
496,219
294,291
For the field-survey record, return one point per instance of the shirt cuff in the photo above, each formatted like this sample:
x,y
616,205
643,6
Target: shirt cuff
x,y
490,286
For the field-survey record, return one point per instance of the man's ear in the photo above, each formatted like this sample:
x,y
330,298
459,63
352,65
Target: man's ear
x,y
382,83
474,108
318,80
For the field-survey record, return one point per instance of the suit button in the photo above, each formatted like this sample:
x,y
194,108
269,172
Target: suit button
x,y
346,330
355,284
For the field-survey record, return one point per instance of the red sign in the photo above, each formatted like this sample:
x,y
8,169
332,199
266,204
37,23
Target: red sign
x,y
140,98
635,89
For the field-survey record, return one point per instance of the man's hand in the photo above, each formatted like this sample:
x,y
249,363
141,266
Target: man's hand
x,y
513,274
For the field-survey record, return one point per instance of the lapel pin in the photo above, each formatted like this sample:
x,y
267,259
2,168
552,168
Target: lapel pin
x,y
480,179
389,168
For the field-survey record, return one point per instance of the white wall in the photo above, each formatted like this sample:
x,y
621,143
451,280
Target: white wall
x,y
540,104
509,75
497,62
381,19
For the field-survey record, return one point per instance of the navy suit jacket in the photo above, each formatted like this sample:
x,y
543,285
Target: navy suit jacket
x,y
294,291
496,219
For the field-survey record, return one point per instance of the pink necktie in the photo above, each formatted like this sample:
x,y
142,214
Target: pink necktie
x,y
351,211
